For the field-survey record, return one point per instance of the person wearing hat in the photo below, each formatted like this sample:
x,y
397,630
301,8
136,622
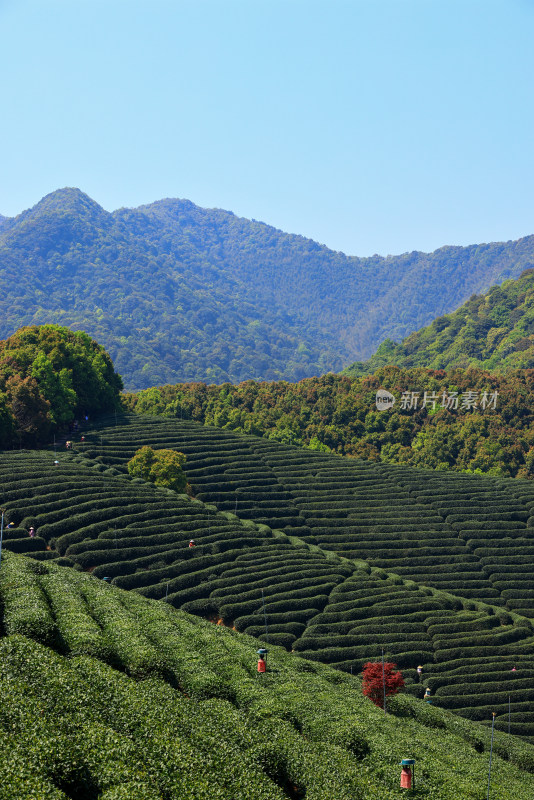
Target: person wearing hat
x,y
32,531
191,543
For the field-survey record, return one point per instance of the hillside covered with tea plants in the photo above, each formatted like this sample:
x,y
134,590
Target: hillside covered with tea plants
x,y
330,557
107,695
493,331
338,413
175,292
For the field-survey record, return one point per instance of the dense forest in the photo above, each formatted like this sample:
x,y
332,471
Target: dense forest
x,y
175,292
339,413
49,376
494,331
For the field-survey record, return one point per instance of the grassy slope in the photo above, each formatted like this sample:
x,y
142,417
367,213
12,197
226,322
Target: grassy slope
x,y
493,331
106,694
434,568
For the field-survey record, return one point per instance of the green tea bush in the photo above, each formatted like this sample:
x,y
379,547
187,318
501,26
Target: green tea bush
x,y
26,544
131,649
79,633
25,608
397,519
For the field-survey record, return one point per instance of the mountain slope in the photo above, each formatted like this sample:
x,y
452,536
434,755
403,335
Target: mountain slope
x,y
493,331
334,558
175,292
109,696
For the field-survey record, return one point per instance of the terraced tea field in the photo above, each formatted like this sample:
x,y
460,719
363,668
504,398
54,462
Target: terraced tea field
x,y
330,557
107,695
463,533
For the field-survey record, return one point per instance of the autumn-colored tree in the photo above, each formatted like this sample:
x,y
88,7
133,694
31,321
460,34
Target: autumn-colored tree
x,y
29,410
375,674
162,467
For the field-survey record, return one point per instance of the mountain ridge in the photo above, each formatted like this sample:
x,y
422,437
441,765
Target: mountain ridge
x,y
177,292
79,198
491,331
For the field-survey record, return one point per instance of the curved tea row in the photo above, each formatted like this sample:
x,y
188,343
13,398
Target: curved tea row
x,y
311,594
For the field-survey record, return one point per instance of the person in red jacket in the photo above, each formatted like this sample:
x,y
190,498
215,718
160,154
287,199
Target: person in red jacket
x,y
261,664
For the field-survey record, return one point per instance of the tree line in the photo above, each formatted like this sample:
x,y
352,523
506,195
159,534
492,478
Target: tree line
x,y
339,414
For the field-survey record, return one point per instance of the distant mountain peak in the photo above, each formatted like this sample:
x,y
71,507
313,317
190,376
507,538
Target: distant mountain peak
x,y
68,199
179,292
175,209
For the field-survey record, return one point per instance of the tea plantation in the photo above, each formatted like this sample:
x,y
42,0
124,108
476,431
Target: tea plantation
x,y
332,558
108,695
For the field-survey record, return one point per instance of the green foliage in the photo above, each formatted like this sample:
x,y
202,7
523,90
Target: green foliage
x,y
25,609
338,414
205,725
179,293
446,582
49,376
162,467
493,331
56,388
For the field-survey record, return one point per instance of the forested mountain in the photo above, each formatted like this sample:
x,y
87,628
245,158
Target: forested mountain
x,y
494,331
176,292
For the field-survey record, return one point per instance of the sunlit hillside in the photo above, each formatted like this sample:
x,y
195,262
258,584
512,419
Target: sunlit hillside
x,y
107,695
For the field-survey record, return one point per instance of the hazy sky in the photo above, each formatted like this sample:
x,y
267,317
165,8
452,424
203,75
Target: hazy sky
x,y
369,126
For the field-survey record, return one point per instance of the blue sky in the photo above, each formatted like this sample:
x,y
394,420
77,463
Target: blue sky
x,y
372,127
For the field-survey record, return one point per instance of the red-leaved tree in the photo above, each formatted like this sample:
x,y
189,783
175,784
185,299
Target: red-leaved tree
x,y
373,681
